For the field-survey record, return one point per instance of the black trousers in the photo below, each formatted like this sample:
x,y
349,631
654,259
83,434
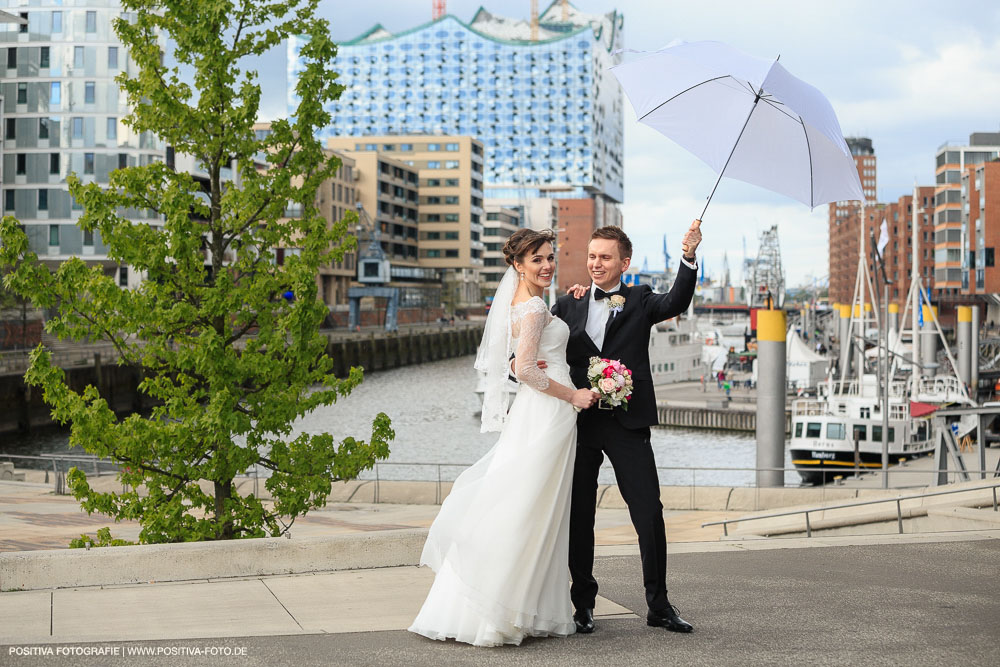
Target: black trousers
x,y
631,455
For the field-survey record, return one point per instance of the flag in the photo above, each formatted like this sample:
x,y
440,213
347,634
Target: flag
x,y
883,238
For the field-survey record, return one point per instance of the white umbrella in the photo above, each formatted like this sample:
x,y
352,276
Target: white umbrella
x,y
746,117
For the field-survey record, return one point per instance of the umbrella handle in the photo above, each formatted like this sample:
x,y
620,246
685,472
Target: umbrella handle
x,y
735,144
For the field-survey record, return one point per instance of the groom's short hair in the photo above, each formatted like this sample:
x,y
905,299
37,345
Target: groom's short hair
x,y
613,233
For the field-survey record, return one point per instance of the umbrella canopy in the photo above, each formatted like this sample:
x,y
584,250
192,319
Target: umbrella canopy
x,y
746,117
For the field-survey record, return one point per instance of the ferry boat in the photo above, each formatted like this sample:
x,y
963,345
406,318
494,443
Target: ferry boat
x,y
841,432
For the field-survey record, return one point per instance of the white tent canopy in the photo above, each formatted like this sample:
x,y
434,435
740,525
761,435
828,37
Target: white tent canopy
x,y
805,367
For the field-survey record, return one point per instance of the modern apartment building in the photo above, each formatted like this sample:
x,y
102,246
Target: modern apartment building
x,y
952,231
450,206
62,113
539,97
845,221
501,223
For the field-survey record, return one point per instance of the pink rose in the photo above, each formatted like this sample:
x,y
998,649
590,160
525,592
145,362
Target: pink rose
x,y
620,381
607,385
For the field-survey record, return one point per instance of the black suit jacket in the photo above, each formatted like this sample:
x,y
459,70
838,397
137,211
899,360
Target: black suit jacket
x,y
626,338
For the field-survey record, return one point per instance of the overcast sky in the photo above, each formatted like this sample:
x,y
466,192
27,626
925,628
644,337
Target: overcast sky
x,y
910,75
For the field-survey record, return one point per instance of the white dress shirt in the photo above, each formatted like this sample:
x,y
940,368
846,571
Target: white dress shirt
x,y
598,314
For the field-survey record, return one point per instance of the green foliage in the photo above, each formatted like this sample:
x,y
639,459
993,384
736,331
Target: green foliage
x,y
229,363
103,539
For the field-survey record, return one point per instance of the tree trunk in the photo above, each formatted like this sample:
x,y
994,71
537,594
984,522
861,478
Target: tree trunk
x,y
223,520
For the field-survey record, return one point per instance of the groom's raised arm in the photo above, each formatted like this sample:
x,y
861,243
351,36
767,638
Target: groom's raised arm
x,y
659,307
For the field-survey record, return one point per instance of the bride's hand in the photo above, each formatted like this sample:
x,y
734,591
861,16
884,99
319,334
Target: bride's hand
x,y
577,290
583,399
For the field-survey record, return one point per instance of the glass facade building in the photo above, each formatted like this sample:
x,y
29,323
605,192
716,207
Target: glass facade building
x,y
547,110
62,113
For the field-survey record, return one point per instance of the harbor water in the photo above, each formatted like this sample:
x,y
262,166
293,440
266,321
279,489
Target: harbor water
x,y
435,414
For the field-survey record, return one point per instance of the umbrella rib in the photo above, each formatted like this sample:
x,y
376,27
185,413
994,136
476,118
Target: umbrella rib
x,y
812,196
702,83
775,106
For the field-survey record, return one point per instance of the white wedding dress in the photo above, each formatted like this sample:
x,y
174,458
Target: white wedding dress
x,y
500,543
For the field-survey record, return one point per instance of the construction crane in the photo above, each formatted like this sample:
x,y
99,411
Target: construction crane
x,y
534,20
437,9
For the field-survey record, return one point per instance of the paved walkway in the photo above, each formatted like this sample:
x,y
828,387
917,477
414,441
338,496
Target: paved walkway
x,y
907,600
32,518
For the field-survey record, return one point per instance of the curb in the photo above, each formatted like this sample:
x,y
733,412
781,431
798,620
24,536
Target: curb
x,y
114,566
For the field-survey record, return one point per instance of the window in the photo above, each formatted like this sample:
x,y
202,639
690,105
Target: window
x,y
91,21
22,93
112,57
877,433
433,164
451,164
55,94
8,201
43,57
10,129
88,92
451,200
798,429
77,56
859,433
122,160
123,274
988,257
451,147
112,128
451,217
43,200
24,26
77,127
433,147
88,237
813,429
56,21
88,163
53,163
53,235
12,57
22,165
836,431
451,182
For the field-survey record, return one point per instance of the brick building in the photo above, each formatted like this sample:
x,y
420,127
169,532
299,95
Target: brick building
x,y
845,220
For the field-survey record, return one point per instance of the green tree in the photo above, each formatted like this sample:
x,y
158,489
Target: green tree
x,y
229,363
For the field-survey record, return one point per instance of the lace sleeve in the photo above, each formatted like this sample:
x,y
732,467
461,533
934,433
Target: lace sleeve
x,y
528,319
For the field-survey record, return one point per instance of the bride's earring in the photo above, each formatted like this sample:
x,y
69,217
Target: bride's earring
x,y
522,275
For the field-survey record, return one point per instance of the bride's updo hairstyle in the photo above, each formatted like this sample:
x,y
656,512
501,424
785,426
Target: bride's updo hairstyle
x,y
524,242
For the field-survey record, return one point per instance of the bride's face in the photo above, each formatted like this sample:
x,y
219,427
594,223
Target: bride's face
x,y
538,267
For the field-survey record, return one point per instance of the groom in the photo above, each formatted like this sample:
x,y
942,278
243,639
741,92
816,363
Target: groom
x,y
604,327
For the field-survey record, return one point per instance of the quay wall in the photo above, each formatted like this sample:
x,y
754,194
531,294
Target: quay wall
x,y
699,417
24,409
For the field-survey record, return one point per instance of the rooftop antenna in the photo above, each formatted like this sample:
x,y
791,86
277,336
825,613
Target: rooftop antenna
x,y
437,9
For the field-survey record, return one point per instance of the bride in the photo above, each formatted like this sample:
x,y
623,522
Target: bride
x,y
499,545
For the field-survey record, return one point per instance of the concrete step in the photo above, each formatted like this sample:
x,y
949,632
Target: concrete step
x,y
961,518
8,474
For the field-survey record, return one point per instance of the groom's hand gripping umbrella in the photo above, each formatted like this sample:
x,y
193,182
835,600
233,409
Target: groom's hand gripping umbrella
x,y
746,117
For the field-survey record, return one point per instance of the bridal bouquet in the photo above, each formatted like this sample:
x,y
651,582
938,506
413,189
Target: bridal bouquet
x,y
611,380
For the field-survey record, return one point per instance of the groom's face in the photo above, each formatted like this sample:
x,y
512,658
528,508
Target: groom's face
x,y
605,263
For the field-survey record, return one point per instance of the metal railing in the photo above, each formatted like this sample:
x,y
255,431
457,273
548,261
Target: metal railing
x,y
898,500
439,480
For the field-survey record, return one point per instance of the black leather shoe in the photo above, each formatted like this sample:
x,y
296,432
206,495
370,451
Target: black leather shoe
x,y
668,618
584,619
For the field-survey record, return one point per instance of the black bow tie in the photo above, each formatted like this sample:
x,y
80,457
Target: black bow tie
x,y
601,294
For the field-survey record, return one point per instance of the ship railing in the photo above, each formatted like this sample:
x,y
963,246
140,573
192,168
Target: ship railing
x,y
898,500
